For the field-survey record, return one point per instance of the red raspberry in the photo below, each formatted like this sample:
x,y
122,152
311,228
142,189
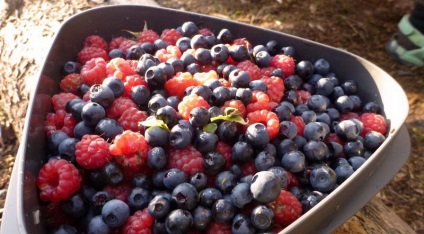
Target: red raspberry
x,y
285,63
126,44
58,180
121,191
237,104
224,82
139,223
60,121
293,181
205,32
94,71
119,106
130,150
300,124
70,83
266,71
131,118
349,115
178,84
189,102
171,36
187,159
302,96
54,216
244,42
115,42
92,152
252,69
272,105
260,101
275,88
88,53
120,68
219,228
286,208
148,36
59,100
96,41
249,168
225,149
373,122
171,51
332,137
268,118
130,82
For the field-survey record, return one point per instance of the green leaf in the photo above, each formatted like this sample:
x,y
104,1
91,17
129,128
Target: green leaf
x,y
151,121
211,127
230,114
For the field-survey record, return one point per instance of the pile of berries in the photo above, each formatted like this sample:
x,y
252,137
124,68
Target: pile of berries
x,y
188,131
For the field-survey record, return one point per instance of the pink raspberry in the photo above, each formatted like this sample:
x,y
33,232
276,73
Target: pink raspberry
x,y
92,152
187,159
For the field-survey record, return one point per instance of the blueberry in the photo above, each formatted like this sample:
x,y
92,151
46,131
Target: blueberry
x,y
323,118
321,66
71,67
316,131
97,226
92,113
304,69
173,101
156,101
244,95
344,104
241,195
98,200
263,59
286,146
242,152
316,151
205,141
311,199
83,89
193,68
309,116
294,161
139,198
293,82
180,136
324,86
356,162
160,44
173,177
223,210
262,218
347,130
241,225
227,131
199,180
220,53
299,141
208,196
203,91
284,111
291,96
82,129
371,107
148,47
281,174
288,50
220,95
72,102
264,161
337,92
323,178
64,229
333,113
199,116
134,53
156,158
225,181
357,103
353,148
74,206
198,41
225,36
115,213
178,221
115,84
350,87
108,129
214,162
343,172
140,94
258,85
189,29
257,135
55,139
66,149
183,43
203,56
185,196
142,181
372,140
159,206
202,217
265,186
157,179
335,150
227,70
211,40
277,72
317,103
168,115
113,173
239,53
158,227
155,76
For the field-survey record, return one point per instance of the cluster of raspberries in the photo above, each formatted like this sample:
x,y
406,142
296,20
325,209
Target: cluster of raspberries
x,y
189,131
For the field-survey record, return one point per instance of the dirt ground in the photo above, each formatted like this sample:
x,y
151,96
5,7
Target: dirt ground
x,y
361,27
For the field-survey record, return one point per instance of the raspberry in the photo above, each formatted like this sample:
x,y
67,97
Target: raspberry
x,y
187,159
88,53
332,137
121,191
178,84
94,71
59,100
266,71
70,83
126,44
275,88
249,168
286,208
60,121
252,69
131,118
130,150
260,101
120,68
119,106
205,32
237,104
349,115
243,42
58,180
54,215
293,181
148,36
189,102
225,149
285,63
130,82
139,223
168,53
115,42
373,122
300,124
95,41
268,118
92,152
219,228
224,82
170,36
302,96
